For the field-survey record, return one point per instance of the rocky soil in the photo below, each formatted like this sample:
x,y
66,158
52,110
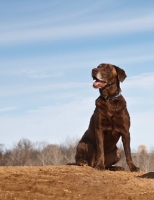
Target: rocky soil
x,y
73,182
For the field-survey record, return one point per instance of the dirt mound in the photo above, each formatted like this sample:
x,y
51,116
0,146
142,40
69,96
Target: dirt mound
x,y
73,182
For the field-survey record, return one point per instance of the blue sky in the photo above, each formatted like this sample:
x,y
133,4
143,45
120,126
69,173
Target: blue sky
x,y
47,51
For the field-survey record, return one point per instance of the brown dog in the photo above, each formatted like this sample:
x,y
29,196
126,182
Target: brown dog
x,y
110,121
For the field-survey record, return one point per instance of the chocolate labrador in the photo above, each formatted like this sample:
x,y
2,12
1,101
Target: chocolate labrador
x,y
110,121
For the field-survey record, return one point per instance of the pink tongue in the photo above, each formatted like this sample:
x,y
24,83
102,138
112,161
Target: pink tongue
x,y
98,84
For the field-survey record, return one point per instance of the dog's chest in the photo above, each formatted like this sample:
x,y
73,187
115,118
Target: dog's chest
x,y
110,118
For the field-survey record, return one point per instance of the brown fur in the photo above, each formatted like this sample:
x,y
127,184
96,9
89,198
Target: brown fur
x,y
110,121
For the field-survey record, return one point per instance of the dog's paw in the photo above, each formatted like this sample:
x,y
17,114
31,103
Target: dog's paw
x,y
100,167
115,168
82,163
134,169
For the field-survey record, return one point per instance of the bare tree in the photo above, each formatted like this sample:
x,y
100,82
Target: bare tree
x,y
21,154
1,154
27,153
49,154
143,158
69,150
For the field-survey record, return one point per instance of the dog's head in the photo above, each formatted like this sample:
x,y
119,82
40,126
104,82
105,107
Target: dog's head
x,y
107,74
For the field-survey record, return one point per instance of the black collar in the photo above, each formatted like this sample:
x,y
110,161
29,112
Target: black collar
x,y
110,98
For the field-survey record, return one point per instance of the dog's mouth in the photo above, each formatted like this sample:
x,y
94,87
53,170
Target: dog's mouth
x,y
99,83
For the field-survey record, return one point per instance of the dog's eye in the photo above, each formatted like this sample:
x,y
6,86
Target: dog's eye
x,y
107,68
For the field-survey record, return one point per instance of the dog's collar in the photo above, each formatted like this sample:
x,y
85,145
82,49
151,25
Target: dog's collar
x,y
110,98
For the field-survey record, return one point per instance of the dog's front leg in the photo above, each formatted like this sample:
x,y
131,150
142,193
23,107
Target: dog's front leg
x,y
100,149
126,144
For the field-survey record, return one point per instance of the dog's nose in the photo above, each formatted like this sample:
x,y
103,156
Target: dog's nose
x,y
94,71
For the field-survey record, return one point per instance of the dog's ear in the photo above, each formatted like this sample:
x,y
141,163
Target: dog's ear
x,y
120,73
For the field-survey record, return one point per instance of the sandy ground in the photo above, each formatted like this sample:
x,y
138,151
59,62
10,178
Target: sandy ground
x,y
73,182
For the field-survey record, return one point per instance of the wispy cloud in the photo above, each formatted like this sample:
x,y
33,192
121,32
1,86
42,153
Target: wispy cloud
x,y
55,123
141,131
52,33
47,51
139,100
14,90
44,66
7,109
142,81
49,123
35,74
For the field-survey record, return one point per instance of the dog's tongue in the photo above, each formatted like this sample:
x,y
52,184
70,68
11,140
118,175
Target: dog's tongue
x,y
98,84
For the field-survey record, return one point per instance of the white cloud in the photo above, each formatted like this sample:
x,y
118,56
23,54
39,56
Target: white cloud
x,y
45,66
50,32
138,100
35,81
55,123
5,109
47,17
140,106
15,89
52,123
36,73
142,81
142,128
